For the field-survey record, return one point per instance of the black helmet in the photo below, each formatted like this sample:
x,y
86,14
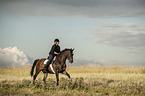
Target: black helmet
x,y
56,40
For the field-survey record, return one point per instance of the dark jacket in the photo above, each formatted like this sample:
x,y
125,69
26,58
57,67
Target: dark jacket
x,y
54,48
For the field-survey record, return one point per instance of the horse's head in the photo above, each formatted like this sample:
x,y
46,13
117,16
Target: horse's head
x,y
70,55
67,54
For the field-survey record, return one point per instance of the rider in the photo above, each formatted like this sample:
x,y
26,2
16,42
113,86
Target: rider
x,y
55,50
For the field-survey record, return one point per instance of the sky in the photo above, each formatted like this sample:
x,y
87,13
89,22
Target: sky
x,y
104,32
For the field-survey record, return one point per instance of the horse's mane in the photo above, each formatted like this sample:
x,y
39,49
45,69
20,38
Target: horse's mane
x,y
64,50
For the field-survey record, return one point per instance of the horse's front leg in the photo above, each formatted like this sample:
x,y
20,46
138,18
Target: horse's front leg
x,y
65,73
57,78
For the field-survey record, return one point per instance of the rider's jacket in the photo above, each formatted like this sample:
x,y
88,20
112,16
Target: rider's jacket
x,y
54,48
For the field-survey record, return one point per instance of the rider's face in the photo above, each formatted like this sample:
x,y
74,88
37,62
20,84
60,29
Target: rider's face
x,y
56,43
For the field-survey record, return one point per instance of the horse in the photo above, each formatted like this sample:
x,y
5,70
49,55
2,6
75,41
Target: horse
x,y
58,66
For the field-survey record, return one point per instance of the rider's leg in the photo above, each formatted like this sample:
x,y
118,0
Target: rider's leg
x,y
49,62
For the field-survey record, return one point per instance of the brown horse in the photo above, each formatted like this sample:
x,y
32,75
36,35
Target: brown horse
x,y
58,65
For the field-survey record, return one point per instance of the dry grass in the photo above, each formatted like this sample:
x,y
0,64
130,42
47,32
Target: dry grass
x,y
87,80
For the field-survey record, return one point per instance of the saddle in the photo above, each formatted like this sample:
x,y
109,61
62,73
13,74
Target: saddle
x,y
51,67
45,62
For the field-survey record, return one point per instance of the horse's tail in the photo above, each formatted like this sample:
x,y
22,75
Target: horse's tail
x,y
33,66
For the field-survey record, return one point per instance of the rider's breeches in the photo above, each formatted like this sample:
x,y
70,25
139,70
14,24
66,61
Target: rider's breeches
x,y
50,60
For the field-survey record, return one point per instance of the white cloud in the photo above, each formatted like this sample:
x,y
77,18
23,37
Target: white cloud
x,y
75,8
108,62
102,62
12,56
117,25
78,61
130,36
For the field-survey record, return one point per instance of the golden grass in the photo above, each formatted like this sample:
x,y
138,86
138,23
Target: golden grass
x,y
87,72
87,80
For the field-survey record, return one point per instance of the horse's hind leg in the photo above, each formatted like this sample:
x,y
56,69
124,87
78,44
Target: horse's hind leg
x,y
36,74
44,78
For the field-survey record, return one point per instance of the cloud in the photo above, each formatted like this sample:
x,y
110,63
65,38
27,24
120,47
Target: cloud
x,y
101,62
12,57
107,62
130,36
117,25
84,62
75,8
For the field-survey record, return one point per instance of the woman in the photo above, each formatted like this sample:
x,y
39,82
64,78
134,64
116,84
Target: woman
x,y
55,50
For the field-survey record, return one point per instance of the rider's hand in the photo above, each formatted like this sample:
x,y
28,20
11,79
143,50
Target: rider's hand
x,y
55,52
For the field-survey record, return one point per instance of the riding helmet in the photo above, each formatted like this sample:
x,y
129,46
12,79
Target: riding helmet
x,y
56,40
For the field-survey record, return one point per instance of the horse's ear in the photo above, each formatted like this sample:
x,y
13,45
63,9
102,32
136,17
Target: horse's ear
x,y
73,49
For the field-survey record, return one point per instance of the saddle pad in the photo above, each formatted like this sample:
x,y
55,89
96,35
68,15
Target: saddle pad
x,y
45,62
52,68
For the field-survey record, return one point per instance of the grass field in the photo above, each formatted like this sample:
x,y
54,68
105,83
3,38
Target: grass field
x,y
86,81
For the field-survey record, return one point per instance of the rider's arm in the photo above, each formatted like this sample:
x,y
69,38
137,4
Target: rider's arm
x,y
52,49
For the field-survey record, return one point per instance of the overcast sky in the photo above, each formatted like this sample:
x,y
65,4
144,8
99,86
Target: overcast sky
x,y
106,32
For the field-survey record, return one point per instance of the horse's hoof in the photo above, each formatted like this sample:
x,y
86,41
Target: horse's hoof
x,y
32,83
57,84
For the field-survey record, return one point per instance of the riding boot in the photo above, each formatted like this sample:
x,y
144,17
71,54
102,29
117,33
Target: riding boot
x,y
48,63
46,67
